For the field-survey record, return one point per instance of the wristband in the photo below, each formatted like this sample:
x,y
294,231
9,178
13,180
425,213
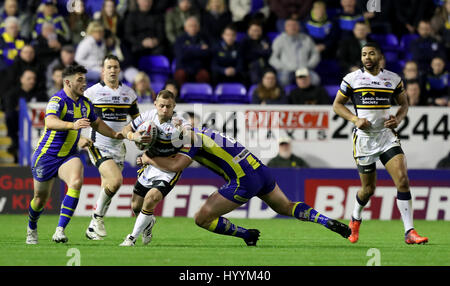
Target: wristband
x,y
130,135
354,119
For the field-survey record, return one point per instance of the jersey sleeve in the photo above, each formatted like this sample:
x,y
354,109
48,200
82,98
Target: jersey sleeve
x,y
134,109
147,115
345,89
189,150
399,89
54,106
92,116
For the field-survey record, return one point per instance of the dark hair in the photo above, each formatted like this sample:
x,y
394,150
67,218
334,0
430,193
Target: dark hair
x,y
166,94
373,45
231,27
73,69
110,57
57,68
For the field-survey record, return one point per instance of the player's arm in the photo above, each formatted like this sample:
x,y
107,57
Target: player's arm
x,y
127,132
84,142
54,123
174,163
341,110
402,101
101,127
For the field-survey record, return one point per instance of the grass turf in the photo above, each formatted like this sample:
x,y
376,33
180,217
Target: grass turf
x,y
179,242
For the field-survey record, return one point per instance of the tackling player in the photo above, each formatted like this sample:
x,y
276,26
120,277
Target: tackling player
x,y
113,102
246,177
56,154
371,90
153,184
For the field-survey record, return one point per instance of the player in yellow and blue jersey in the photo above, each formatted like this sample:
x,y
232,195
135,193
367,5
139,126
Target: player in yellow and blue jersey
x,y
246,177
56,154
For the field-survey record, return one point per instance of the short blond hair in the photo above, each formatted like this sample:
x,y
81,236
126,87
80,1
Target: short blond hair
x,y
94,26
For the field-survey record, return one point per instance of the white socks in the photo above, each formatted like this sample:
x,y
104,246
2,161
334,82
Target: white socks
x,y
406,210
142,221
103,203
359,206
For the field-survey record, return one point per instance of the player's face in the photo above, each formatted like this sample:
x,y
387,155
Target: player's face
x,y
164,108
370,58
77,84
111,70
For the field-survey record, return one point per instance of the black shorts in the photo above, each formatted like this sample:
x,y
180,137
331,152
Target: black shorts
x,y
163,186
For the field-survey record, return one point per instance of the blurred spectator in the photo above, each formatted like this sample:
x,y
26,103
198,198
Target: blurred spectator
x,y
143,88
297,10
114,46
157,7
380,20
144,31
173,87
293,50
10,42
444,163
425,48
48,44
192,53
413,93
78,21
285,158
408,14
437,83
348,17
322,30
175,18
48,13
440,24
57,80
226,65
245,11
349,51
26,90
268,90
11,8
110,18
66,58
305,92
92,50
215,19
255,53
25,61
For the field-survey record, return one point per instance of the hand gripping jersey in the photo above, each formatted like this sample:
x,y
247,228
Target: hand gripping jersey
x,y
371,95
165,145
112,106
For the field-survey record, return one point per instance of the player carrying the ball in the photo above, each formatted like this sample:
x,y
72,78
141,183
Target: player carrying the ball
x,y
153,184
246,177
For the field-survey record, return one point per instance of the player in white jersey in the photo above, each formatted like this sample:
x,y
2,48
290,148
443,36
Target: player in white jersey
x,y
113,102
371,90
153,184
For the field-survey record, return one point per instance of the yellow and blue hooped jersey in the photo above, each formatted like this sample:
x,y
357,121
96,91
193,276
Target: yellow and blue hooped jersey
x,y
62,143
222,154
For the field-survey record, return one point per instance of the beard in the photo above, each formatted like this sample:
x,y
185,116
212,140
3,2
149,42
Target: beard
x,y
373,67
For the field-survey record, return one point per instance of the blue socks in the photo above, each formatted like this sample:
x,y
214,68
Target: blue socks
x,y
68,206
223,226
33,215
304,212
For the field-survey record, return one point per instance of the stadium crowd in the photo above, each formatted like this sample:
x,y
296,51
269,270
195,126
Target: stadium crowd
x,y
282,51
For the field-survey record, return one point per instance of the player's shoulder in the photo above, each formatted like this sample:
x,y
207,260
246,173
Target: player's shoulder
x,y
352,76
391,75
128,91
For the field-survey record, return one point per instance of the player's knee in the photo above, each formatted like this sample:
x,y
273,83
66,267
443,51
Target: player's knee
x,y
76,183
201,219
403,182
153,197
114,184
368,190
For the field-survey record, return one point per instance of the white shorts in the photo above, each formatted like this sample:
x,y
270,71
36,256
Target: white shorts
x,y
152,177
368,148
99,154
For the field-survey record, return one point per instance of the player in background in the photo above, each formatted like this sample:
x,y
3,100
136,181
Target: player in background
x,y
371,90
113,102
56,154
246,177
153,184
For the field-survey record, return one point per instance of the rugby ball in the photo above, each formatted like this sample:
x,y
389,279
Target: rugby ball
x,y
150,129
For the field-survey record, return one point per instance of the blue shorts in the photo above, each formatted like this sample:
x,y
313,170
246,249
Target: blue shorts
x,y
47,166
259,182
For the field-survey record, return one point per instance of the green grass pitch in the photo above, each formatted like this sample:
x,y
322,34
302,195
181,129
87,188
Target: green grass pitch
x,y
179,242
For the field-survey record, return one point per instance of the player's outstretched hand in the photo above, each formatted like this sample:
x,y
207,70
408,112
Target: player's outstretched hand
x,y
81,123
391,122
139,138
